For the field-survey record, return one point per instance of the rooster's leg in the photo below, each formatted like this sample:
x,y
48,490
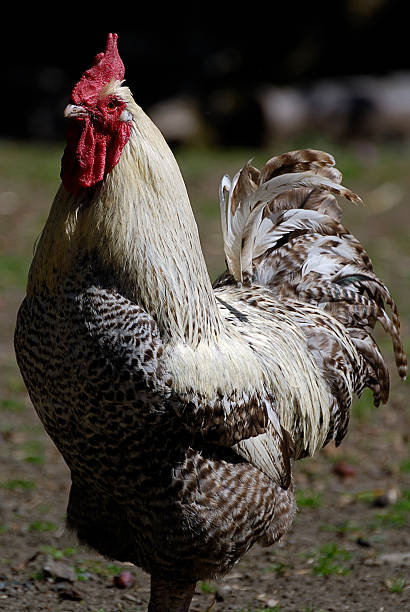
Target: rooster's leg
x,y
168,596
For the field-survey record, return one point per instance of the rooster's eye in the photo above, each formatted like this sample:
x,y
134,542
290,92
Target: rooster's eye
x,y
112,105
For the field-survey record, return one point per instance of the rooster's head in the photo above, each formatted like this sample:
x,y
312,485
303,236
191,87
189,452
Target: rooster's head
x,y
99,123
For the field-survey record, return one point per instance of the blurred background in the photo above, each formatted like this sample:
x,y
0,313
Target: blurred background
x,y
243,77
224,86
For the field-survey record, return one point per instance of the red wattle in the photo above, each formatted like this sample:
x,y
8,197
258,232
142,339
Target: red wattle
x,y
90,153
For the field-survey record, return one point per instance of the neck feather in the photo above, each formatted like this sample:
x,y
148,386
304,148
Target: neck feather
x,y
152,238
140,224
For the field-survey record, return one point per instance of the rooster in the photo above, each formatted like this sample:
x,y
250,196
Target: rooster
x,y
177,405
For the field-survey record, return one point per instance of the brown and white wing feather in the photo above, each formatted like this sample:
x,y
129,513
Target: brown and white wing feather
x,y
246,422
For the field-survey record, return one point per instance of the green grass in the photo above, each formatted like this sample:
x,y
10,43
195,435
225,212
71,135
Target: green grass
x,y
38,575
278,568
395,516
42,526
405,466
396,585
36,459
17,485
84,569
345,528
12,404
366,497
309,499
82,574
329,559
58,553
33,452
207,587
88,567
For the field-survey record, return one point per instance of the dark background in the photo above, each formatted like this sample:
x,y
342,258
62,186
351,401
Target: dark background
x,y
194,52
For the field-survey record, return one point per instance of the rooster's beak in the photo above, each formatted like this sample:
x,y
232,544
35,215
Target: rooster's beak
x,y
71,110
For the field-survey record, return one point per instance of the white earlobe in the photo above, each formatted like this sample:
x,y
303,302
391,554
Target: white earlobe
x,y
125,115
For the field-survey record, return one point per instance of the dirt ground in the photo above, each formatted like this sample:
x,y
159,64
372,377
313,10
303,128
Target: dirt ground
x,y
349,547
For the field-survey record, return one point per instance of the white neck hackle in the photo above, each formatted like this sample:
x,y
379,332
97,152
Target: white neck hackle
x,y
152,239
141,225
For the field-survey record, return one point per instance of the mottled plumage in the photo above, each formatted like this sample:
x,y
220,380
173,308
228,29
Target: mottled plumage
x,y
301,252
179,406
151,482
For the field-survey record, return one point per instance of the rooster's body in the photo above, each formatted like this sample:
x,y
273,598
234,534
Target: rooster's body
x,y
177,406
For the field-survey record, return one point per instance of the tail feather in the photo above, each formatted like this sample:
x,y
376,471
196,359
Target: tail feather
x,y
282,229
244,200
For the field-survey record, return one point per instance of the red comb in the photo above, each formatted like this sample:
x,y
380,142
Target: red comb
x,y
106,67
